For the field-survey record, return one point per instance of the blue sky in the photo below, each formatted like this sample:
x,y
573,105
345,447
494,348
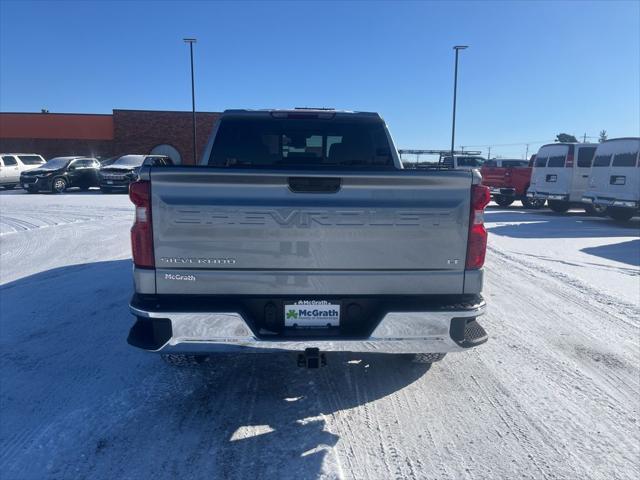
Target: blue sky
x,y
532,69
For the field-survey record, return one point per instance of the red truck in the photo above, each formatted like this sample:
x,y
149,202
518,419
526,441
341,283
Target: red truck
x,y
508,181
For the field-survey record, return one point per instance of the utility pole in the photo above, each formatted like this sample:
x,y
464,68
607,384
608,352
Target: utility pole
x,y
526,154
457,48
489,154
584,138
191,41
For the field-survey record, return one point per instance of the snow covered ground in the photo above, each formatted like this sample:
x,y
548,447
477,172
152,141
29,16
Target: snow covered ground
x,y
554,394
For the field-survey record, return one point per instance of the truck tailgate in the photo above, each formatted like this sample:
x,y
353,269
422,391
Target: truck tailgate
x,y
218,230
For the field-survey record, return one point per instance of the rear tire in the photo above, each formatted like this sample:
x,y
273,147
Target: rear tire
x,y
533,203
84,189
621,214
503,200
559,206
183,360
106,190
423,358
595,210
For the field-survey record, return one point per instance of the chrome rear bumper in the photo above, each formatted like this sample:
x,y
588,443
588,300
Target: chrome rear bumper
x,y
437,331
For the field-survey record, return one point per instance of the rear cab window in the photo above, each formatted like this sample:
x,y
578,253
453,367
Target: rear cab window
x,y
301,140
470,161
515,163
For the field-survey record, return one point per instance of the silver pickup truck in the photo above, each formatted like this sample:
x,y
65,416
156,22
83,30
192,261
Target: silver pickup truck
x,y
300,231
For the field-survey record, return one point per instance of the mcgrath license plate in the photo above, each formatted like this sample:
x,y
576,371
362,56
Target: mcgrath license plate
x,y
312,314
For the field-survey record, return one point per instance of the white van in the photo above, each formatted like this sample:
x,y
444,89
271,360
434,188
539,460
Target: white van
x,y
13,164
561,175
615,178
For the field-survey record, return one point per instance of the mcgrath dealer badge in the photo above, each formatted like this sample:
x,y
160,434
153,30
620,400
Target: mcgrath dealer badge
x,y
312,314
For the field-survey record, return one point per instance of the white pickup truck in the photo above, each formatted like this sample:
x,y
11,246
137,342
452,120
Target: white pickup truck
x,y
300,231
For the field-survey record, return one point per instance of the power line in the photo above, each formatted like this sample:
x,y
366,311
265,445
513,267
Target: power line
x,y
531,142
511,144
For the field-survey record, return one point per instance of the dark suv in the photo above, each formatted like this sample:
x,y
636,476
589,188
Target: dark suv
x,y
119,173
61,173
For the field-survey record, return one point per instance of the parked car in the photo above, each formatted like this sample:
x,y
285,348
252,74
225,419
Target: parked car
x,y
119,174
508,180
615,178
61,173
13,164
561,174
463,162
301,231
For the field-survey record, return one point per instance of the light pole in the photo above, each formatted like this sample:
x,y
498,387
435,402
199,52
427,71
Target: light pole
x,y
457,48
191,41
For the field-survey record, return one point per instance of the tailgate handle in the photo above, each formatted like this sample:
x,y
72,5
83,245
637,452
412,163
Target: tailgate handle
x,y
314,184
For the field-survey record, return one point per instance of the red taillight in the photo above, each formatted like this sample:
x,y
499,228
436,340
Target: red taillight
x,y
569,162
477,243
142,230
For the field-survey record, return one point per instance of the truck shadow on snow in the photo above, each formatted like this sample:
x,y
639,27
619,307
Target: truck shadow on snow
x,y
625,252
78,402
548,225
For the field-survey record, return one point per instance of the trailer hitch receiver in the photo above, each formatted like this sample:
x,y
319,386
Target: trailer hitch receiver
x,y
312,358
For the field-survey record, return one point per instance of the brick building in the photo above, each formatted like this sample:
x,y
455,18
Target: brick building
x,y
119,133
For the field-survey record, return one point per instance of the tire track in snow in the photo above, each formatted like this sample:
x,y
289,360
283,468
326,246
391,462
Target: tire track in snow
x,y
547,339
16,221
564,335
606,302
